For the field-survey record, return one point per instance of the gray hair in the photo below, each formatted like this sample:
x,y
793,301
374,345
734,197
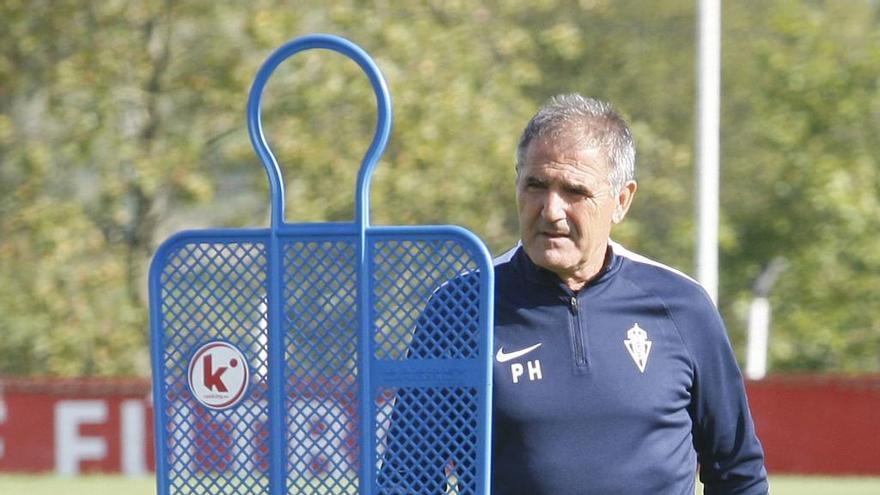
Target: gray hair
x,y
590,122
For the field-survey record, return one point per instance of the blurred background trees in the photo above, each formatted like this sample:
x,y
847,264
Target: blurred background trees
x,y
123,122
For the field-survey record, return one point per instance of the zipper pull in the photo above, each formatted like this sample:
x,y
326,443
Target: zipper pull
x,y
573,302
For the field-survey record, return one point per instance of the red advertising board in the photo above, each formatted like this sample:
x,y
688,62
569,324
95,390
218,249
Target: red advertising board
x,y
818,424
807,424
75,426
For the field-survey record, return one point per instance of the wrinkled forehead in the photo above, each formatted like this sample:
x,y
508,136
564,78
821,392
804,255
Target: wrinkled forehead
x,y
571,144
566,157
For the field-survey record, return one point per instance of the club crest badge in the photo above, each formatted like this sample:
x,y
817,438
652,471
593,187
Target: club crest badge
x,y
638,345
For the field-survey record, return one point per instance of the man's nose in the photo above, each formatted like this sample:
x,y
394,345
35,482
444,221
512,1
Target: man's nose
x,y
554,207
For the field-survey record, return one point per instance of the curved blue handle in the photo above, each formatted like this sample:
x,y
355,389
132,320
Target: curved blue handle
x,y
380,138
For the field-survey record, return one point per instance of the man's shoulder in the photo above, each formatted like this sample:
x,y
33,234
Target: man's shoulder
x,y
673,286
503,260
504,265
684,300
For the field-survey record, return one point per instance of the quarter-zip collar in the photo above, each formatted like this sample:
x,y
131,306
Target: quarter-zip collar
x,y
541,276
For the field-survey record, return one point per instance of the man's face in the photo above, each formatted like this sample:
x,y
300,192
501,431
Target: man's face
x,y
566,207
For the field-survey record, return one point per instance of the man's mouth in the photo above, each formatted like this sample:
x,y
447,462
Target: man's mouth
x,y
554,235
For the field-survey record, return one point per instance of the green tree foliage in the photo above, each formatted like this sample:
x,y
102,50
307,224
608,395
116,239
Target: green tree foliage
x,y
121,122
107,111
802,112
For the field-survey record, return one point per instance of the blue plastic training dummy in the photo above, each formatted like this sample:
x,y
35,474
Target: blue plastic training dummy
x,y
325,358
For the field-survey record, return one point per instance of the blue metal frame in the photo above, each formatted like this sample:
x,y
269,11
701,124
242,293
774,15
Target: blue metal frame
x,y
380,138
274,237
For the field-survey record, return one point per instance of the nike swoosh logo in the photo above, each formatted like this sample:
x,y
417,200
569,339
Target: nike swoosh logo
x,y
503,357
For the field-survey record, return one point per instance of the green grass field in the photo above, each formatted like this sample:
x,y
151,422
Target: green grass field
x,y
116,485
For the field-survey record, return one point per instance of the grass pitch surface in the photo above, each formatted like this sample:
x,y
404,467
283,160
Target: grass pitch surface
x,y
115,485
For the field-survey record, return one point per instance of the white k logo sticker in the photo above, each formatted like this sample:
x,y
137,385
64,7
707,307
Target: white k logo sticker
x,y
638,345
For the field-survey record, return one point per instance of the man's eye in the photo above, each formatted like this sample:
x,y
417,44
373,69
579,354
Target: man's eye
x,y
578,191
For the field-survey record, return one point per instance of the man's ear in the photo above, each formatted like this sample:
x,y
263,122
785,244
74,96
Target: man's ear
x,y
624,200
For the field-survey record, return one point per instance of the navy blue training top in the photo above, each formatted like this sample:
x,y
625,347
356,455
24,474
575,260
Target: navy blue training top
x,y
623,387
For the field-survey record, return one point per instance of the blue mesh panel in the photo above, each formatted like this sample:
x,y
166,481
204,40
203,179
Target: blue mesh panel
x,y
212,291
426,312
407,274
427,322
430,441
321,337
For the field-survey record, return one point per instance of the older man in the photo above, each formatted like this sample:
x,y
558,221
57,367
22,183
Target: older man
x,y
613,373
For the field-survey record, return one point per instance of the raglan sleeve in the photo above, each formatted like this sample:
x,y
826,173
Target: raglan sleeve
x,y
729,453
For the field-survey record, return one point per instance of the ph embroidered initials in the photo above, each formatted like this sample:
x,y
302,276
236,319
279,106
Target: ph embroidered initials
x,y
534,371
